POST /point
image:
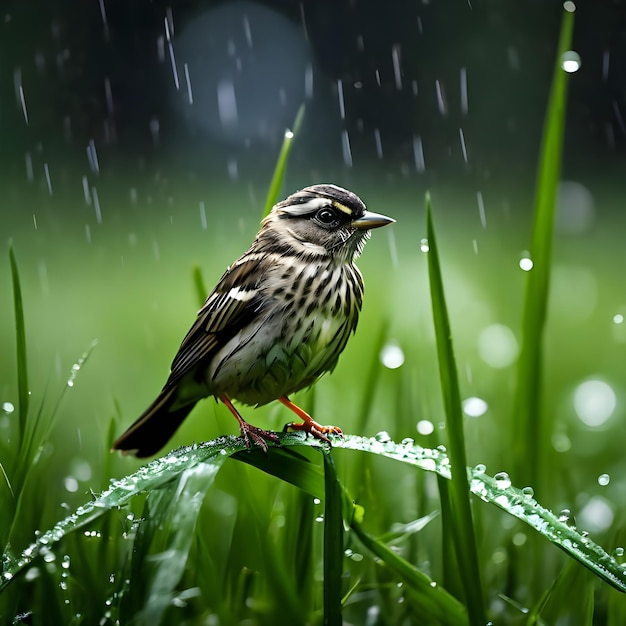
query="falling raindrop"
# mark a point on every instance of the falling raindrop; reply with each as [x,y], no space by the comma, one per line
[169,32]
[464,102]
[481,209]
[418,154]
[424,247]
[19,92]
[188,82]
[441,101]
[604,480]
[345,148]
[92,157]
[203,222]
[96,205]
[8,407]
[618,319]
[397,72]
[342,108]
[463,146]
[247,32]
[379,143]
[46,170]
[86,192]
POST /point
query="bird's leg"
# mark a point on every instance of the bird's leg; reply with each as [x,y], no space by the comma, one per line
[248,431]
[309,425]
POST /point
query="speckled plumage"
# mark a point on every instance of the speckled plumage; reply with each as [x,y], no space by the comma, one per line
[277,320]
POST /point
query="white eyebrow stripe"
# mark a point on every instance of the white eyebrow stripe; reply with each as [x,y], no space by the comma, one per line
[307,207]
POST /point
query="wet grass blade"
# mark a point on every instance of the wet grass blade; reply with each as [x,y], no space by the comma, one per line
[161,548]
[163,471]
[281,163]
[199,285]
[435,604]
[333,543]
[20,337]
[531,434]
[461,515]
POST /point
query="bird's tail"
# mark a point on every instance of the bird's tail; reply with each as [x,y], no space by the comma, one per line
[155,426]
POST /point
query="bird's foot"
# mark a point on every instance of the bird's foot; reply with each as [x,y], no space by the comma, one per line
[313,428]
[309,425]
[257,435]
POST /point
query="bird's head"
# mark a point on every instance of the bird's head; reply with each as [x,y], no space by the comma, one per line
[322,220]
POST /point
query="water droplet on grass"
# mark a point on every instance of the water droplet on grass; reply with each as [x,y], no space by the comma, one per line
[503,481]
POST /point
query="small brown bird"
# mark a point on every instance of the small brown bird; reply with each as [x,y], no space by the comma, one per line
[276,321]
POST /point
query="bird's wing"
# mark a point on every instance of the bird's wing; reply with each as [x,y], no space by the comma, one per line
[233,303]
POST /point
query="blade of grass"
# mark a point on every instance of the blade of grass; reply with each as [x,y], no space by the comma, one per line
[20,337]
[161,471]
[281,163]
[162,545]
[199,286]
[461,514]
[438,606]
[333,542]
[531,432]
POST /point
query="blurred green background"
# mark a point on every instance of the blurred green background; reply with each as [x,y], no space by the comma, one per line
[138,140]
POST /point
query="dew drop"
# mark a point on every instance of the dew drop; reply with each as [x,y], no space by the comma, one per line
[382,436]
[503,481]
[570,61]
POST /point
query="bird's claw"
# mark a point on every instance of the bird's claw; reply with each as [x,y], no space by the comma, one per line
[259,436]
[316,430]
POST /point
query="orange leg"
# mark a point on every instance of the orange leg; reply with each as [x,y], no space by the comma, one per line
[248,431]
[309,425]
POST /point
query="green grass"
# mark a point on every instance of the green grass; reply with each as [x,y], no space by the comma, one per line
[370,531]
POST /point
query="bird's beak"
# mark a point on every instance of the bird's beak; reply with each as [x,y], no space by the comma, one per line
[371,220]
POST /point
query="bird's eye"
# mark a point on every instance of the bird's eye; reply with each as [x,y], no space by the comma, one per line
[326,217]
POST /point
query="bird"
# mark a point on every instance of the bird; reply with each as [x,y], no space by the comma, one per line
[277,320]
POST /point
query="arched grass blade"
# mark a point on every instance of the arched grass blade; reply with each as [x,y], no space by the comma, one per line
[168,469]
